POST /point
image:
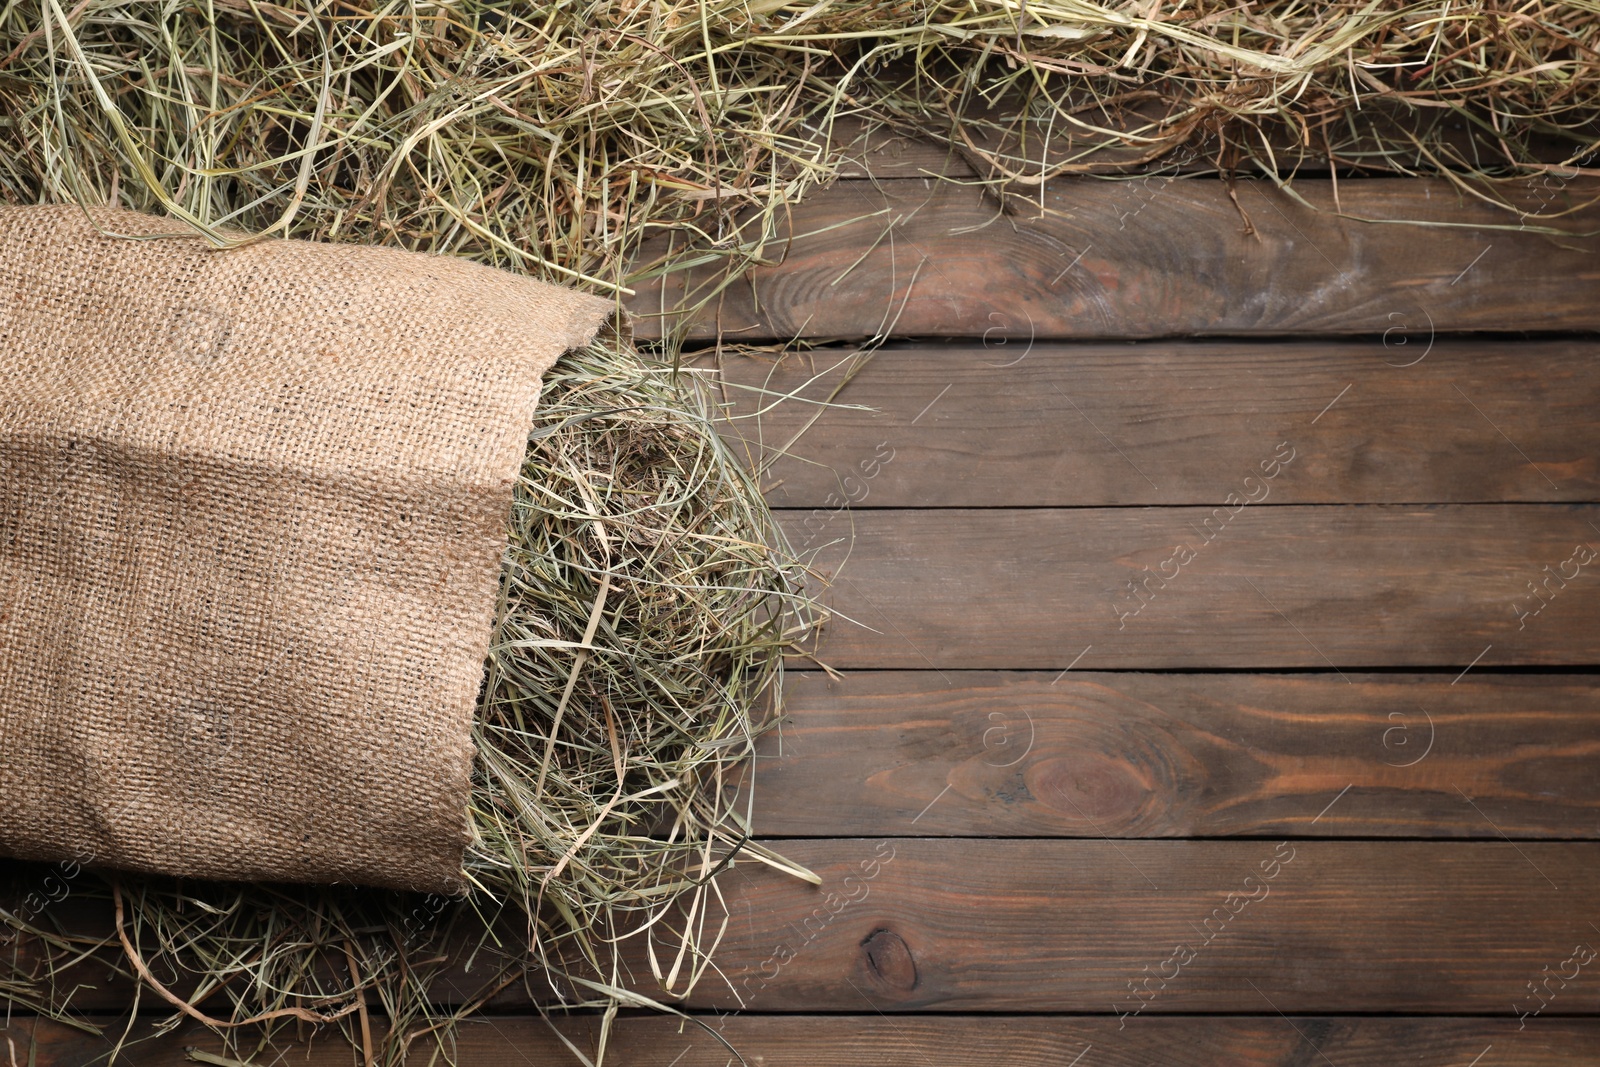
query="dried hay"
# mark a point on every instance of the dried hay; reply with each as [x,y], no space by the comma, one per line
[646,600]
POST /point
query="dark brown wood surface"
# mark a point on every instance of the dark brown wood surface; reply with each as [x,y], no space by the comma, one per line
[1077,926]
[1086,754]
[1261,1040]
[1004,422]
[1274,587]
[1153,257]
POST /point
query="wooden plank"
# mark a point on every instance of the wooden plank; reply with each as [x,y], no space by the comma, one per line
[1153,257]
[1235,587]
[1040,925]
[1007,754]
[1065,926]
[1006,423]
[1264,1040]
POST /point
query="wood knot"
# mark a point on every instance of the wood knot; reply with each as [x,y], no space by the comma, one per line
[1095,787]
[889,958]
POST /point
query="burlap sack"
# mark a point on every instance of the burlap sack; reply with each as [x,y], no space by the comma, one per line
[253,507]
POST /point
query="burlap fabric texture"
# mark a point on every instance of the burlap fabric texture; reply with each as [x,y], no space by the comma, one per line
[253,509]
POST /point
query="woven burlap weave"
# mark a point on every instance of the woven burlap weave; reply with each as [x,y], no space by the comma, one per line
[253,509]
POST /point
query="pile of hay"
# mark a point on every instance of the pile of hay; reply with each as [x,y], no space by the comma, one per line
[646,600]
[648,593]
[553,138]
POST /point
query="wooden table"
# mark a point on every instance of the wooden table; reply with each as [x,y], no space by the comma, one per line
[1216,640]
[1217,592]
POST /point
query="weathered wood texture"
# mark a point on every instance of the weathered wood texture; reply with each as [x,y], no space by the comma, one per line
[1070,926]
[1264,1040]
[1152,257]
[1006,423]
[1012,754]
[1259,587]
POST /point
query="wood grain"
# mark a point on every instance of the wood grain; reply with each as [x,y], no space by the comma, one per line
[1152,257]
[1262,587]
[1265,1040]
[1008,754]
[1070,926]
[1005,423]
